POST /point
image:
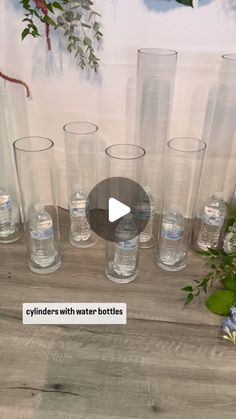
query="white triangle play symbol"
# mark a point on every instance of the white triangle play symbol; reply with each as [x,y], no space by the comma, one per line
[116,209]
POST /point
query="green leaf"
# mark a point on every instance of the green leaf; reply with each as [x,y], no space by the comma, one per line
[47,19]
[186,2]
[187,289]
[50,7]
[203,253]
[214,252]
[96,26]
[57,5]
[27,20]
[25,32]
[220,302]
[85,25]
[87,41]
[229,282]
[189,299]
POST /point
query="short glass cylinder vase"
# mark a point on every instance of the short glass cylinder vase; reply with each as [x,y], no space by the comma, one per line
[156,69]
[81,147]
[10,218]
[122,249]
[183,166]
[34,157]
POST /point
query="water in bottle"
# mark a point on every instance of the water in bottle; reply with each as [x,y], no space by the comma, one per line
[42,247]
[212,222]
[6,224]
[172,232]
[80,229]
[126,246]
[146,211]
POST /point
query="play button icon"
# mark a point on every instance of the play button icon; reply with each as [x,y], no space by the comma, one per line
[111,200]
[117,209]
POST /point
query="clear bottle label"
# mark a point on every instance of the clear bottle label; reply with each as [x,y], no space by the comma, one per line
[213,221]
[172,235]
[41,235]
[6,206]
[77,212]
[127,244]
[146,214]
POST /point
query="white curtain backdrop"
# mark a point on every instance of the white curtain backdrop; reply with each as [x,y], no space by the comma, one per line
[62,93]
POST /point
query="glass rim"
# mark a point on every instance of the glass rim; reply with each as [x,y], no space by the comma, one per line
[17,147]
[202,144]
[66,126]
[230,57]
[158,51]
[134,146]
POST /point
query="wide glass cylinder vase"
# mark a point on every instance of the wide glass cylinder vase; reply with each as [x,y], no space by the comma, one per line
[81,147]
[156,69]
[124,165]
[219,173]
[183,166]
[34,157]
[10,218]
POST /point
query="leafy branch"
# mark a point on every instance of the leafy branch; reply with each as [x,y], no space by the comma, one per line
[76,19]
[222,270]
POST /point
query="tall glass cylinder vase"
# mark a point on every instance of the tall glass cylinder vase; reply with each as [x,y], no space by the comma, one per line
[155,82]
[10,219]
[81,147]
[122,247]
[219,172]
[183,166]
[34,157]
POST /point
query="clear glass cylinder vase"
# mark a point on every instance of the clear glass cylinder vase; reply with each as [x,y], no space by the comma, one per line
[219,173]
[156,69]
[10,218]
[182,171]
[81,147]
[122,249]
[35,165]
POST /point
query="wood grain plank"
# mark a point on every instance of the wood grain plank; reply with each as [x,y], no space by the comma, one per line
[168,362]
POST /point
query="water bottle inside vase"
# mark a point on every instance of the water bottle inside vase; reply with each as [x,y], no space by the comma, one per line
[42,247]
[126,246]
[146,210]
[80,229]
[212,222]
[172,232]
[6,213]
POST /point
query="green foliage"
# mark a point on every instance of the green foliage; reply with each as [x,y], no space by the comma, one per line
[220,302]
[186,2]
[223,270]
[229,281]
[76,19]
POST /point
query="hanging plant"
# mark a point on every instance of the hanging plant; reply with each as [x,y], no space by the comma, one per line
[78,22]
[76,19]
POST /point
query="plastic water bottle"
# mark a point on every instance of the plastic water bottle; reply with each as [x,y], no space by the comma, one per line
[6,224]
[172,232]
[43,251]
[146,210]
[80,229]
[212,222]
[126,246]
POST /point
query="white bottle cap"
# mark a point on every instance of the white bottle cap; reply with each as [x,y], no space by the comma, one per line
[38,207]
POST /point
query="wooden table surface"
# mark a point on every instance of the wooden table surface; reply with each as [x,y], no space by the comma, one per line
[168,362]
